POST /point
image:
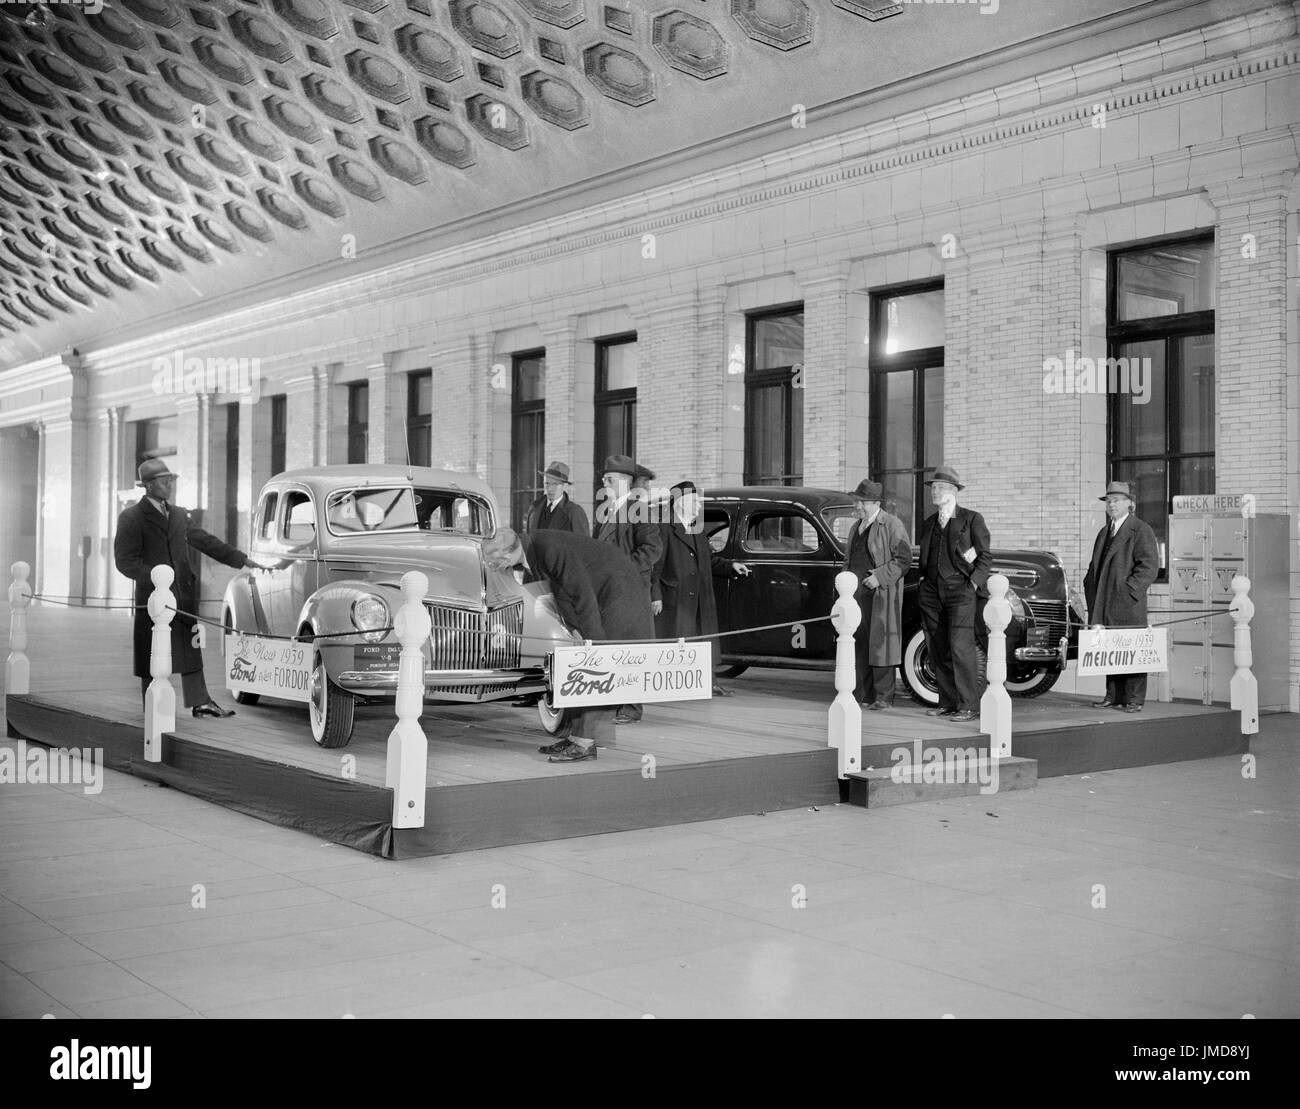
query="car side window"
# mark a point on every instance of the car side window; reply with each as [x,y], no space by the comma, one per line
[780,533]
[717,526]
[299,519]
[266,516]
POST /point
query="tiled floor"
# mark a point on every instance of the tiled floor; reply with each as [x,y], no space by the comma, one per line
[1163,891]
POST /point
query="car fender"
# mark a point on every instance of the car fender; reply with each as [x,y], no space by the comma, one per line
[238,602]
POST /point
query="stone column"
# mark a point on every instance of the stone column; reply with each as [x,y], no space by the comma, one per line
[668,408]
[300,419]
[823,379]
[322,413]
[1251,320]
[561,339]
[383,443]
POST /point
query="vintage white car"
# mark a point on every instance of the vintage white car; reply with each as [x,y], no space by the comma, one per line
[342,537]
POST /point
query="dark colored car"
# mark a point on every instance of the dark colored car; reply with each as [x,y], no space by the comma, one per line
[792,539]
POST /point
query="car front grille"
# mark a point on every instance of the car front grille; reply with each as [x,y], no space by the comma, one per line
[461,640]
[1052,620]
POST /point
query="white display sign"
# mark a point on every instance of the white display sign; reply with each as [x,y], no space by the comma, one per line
[274,667]
[632,674]
[1122,651]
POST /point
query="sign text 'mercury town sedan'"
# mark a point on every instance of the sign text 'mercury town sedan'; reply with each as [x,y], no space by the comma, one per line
[342,537]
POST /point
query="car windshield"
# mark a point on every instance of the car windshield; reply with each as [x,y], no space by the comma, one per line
[403,508]
[839,519]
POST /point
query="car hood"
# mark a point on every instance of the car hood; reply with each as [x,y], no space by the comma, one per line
[453,564]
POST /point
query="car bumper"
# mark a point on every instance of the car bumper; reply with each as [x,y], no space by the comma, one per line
[468,685]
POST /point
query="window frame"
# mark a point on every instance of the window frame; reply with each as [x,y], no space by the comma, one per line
[768,378]
[419,421]
[1171,330]
[358,429]
[604,398]
[916,363]
[533,413]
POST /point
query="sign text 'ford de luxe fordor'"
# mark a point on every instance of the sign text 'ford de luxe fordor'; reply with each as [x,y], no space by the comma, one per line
[632,674]
[1123,651]
[274,667]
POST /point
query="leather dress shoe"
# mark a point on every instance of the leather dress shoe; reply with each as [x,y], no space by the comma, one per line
[1129,708]
[211,708]
[574,753]
[556,747]
[1104,705]
[623,718]
[878,705]
[963,716]
[940,711]
[718,691]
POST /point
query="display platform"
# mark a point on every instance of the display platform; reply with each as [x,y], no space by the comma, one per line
[762,749]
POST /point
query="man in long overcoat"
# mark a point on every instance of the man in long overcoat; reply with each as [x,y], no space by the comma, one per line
[154,532]
[623,518]
[1125,561]
[600,593]
[686,605]
[555,509]
[880,554]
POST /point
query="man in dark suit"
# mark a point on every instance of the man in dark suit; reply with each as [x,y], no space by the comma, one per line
[153,532]
[554,509]
[623,519]
[684,573]
[1125,562]
[599,592]
[955,565]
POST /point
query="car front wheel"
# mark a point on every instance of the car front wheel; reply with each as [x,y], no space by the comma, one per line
[918,673]
[554,721]
[1030,681]
[331,708]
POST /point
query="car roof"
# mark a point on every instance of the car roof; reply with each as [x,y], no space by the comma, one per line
[326,478]
[808,496]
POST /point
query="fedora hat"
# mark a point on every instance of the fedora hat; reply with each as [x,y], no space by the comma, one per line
[152,468]
[642,471]
[869,490]
[945,473]
[557,471]
[620,464]
[1117,487]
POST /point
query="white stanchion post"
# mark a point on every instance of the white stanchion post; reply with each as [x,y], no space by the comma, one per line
[844,720]
[18,670]
[1243,689]
[160,697]
[995,705]
[408,749]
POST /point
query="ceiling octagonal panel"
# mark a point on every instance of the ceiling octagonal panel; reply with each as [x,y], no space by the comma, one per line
[188,131]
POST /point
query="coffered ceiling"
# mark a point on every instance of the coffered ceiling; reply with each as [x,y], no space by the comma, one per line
[165,157]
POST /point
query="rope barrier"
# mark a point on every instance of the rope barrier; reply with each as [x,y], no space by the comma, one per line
[78,604]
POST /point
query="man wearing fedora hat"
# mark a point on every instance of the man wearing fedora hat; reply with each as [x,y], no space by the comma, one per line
[879,553]
[153,532]
[623,518]
[955,565]
[1125,562]
[554,509]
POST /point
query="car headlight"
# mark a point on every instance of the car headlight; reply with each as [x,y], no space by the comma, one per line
[370,616]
